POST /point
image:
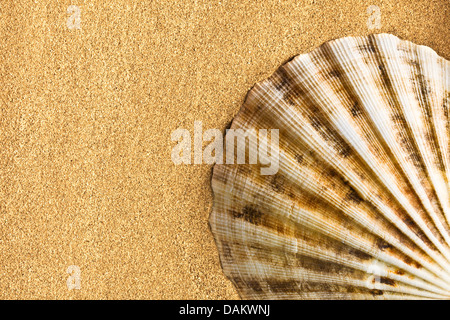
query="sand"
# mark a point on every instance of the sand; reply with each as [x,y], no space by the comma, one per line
[86,119]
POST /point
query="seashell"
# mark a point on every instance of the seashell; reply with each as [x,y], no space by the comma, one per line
[360,205]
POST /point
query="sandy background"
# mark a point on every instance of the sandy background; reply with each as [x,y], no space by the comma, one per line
[86,116]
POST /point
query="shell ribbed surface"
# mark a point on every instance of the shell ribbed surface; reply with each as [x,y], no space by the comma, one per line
[360,205]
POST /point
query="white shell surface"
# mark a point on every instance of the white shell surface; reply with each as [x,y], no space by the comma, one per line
[360,205]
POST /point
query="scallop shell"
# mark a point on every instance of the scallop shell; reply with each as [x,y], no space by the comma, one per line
[359,208]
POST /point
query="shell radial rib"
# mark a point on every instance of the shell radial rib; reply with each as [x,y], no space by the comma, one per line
[360,205]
